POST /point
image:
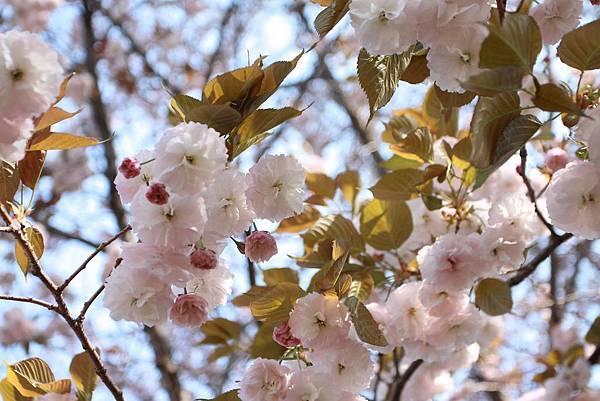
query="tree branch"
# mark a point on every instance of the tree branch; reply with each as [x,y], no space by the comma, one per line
[30,300]
[61,307]
[98,250]
[531,192]
[528,268]
[401,382]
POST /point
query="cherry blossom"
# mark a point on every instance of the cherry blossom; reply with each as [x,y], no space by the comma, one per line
[557,17]
[264,380]
[189,310]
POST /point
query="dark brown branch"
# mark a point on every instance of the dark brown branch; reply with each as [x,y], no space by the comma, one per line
[528,268]
[501,9]
[61,307]
[169,371]
[595,357]
[98,250]
[30,300]
[401,382]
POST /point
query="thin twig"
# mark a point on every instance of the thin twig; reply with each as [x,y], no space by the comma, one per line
[527,269]
[98,250]
[30,300]
[531,192]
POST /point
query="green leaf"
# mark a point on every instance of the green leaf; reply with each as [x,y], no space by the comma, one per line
[513,137]
[9,181]
[385,225]
[550,97]
[273,277]
[398,185]
[10,392]
[330,16]
[83,373]
[33,377]
[593,334]
[61,141]
[276,304]
[36,240]
[366,327]
[491,116]
[335,228]
[516,43]
[581,48]
[251,131]
[379,76]
[495,81]
[493,296]
[440,119]
[228,396]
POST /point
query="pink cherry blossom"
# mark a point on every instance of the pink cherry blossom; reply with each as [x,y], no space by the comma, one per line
[264,380]
[157,194]
[283,336]
[189,310]
[130,168]
[260,246]
[204,259]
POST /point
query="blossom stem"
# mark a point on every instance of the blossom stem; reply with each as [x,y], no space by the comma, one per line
[30,300]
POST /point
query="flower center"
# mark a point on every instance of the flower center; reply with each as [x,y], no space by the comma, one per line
[340,368]
[17,75]
[190,159]
[587,198]
[270,386]
[320,320]
[383,17]
[465,57]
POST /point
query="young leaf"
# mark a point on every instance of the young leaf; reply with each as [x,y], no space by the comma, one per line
[493,296]
[581,48]
[30,168]
[220,117]
[379,76]
[84,376]
[516,43]
[10,392]
[263,345]
[299,222]
[33,377]
[495,81]
[490,117]
[276,304]
[36,240]
[550,97]
[417,70]
[228,396]
[61,141]
[330,16]
[9,181]
[335,228]
[398,185]
[349,183]
[273,277]
[321,184]
[52,116]
[385,225]
[593,334]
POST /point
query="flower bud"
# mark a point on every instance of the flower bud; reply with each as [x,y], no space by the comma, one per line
[260,246]
[556,158]
[189,310]
[204,259]
[157,194]
[282,335]
[130,168]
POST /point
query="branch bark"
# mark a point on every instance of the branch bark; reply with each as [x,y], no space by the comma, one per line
[401,383]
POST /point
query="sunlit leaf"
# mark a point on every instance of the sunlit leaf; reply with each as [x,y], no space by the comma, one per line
[83,373]
[228,396]
[62,141]
[330,16]
[276,304]
[337,228]
[299,222]
[273,277]
[593,334]
[321,184]
[398,185]
[366,327]
[53,116]
[30,168]
[385,225]
[33,377]
[349,183]
[36,240]
[9,181]
[10,392]
[495,81]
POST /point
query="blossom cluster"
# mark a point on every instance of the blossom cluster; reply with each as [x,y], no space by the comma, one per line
[453,30]
[186,201]
[573,195]
[338,366]
[30,78]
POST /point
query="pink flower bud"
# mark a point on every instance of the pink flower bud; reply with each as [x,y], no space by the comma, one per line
[556,158]
[189,310]
[283,336]
[204,259]
[157,194]
[130,168]
[260,246]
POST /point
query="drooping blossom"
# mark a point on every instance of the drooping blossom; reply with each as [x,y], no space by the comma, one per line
[189,310]
[204,259]
[282,335]
[264,380]
[260,246]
